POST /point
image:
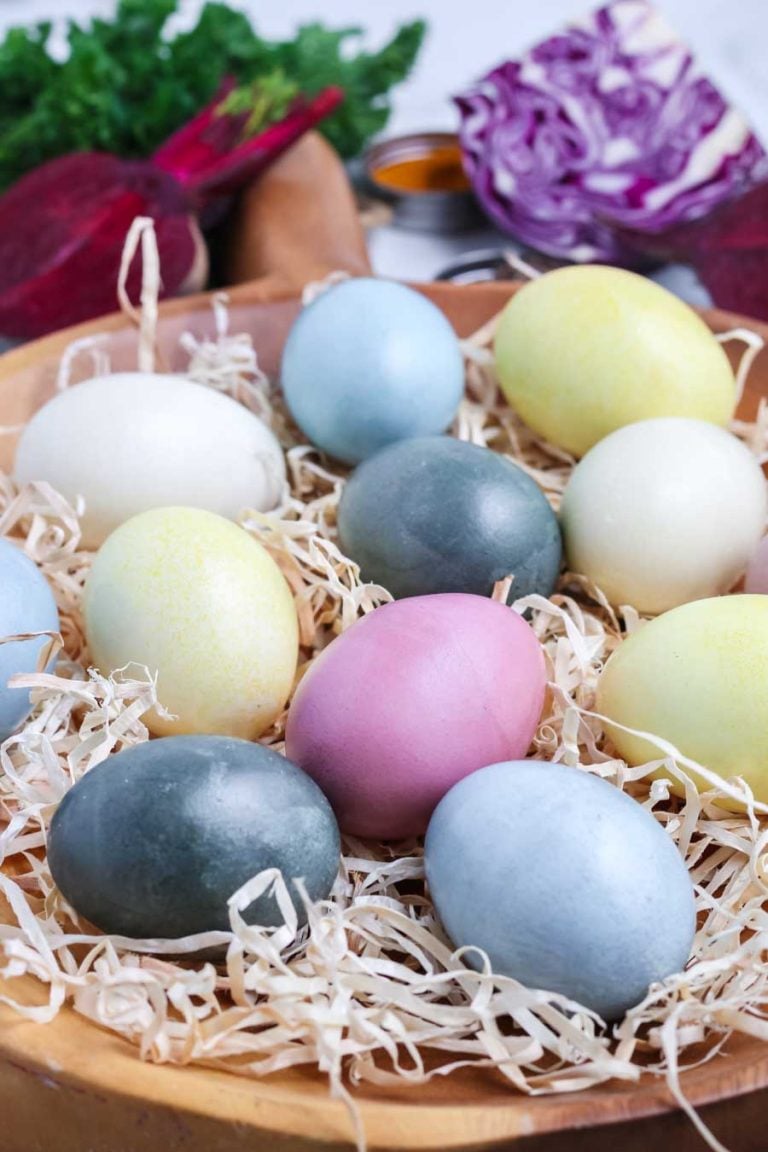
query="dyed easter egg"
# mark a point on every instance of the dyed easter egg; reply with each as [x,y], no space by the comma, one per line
[584,350]
[566,883]
[138,440]
[756,576]
[154,841]
[664,511]
[196,599]
[436,514]
[370,362]
[410,699]
[26,605]
[698,678]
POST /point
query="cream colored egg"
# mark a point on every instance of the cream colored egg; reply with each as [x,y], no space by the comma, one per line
[664,511]
[134,440]
[698,678]
[584,350]
[201,603]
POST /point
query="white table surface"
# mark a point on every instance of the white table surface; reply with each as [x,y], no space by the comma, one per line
[466,38]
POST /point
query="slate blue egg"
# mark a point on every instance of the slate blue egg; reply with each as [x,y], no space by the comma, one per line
[436,514]
[154,841]
[26,605]
[370,362]
[565,882]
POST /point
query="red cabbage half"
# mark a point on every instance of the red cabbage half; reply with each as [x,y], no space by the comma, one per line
[610,121]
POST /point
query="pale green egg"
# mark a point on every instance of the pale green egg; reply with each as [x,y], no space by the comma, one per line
[697,677]
[584,350]
[202,604]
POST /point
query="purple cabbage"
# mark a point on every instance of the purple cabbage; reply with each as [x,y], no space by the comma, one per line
[607,125]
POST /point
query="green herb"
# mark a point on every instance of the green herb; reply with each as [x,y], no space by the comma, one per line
[125,86]
[264,101]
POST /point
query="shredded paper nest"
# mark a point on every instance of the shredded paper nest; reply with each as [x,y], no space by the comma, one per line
[370,991]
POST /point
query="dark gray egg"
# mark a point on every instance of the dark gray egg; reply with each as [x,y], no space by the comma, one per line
[434,514]
[154,841]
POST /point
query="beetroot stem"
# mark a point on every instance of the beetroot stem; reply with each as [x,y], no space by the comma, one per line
[209,157]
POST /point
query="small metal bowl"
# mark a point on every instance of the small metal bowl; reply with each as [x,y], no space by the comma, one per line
[443,212]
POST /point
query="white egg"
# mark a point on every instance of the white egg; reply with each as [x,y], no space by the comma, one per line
[132,441]
[663,512]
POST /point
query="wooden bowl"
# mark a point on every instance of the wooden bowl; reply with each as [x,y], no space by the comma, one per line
[70,1086]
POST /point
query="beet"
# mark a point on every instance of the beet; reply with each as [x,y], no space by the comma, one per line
[728,248]
[63,226]
[60,265]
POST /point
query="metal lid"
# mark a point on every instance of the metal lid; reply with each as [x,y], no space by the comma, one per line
[486,264]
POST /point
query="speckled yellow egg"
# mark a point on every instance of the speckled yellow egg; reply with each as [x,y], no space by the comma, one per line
[584,350]
[697,677]
[201,603]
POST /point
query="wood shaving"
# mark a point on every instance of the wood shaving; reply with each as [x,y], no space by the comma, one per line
[370,991]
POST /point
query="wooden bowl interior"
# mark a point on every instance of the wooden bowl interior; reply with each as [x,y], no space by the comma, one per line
[213,1110]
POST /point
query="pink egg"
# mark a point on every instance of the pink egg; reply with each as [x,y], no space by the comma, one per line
[756,578]
[411,699]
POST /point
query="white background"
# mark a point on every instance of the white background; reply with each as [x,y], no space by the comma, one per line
[466,38]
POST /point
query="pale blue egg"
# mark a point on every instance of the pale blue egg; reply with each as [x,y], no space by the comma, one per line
[568,884]
[26,605]
[370,362]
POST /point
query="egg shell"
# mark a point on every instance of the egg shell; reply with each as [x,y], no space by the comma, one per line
[565,882]
[664,511]
[370,362]
[584,350]
[153,842]
[410,699]
[756,576]
[196,599]
[435,514]
[133,441]
[698,678]
[26,605]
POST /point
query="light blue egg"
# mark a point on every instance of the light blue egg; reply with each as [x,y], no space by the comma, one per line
[26,605]
[568,884]
[370,362]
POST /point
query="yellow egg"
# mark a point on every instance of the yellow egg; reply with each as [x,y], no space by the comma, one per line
[582,351]
[697,677]
[199,601]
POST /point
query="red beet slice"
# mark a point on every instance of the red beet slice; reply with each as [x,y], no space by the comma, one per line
[59,266]
[63,226]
